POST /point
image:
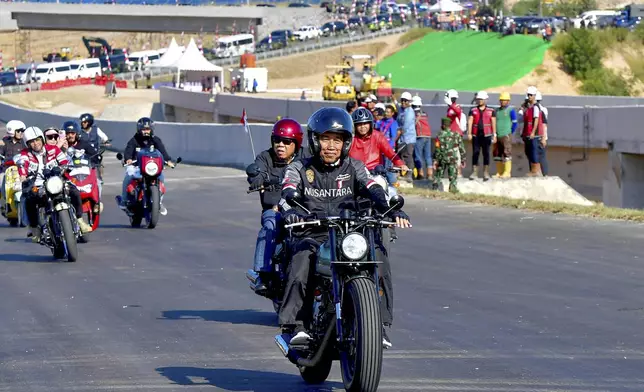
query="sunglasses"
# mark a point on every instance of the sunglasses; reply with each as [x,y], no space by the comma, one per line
[52,137]
[19,130]
[278,140]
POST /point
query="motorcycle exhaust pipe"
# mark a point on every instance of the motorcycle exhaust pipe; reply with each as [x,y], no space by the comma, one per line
[318,355]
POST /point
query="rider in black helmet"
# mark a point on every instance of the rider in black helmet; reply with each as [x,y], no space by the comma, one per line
[94,136]
[328,182]
[144,137]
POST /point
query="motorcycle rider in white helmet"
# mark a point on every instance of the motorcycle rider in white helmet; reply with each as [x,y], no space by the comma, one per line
[12,145]
[36,157]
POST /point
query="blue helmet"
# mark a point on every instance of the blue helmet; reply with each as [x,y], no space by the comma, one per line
[71,126]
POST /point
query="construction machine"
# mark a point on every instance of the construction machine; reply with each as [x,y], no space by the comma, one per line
[364,77]
[337,85]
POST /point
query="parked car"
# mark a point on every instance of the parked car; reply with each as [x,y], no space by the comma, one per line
[335,27]
[307,32]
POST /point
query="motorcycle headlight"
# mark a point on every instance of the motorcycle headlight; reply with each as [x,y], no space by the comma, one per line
[354,246]
[151,168]
[54,185]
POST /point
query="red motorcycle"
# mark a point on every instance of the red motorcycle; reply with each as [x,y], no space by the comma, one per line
[82,174]
[145,189]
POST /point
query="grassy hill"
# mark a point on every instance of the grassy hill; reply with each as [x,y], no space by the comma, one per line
[467,61]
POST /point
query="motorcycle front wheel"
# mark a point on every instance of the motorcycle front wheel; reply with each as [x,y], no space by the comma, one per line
[155,200]
[361,359]
[69,237]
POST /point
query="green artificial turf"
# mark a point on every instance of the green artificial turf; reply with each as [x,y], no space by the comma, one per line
[465,61]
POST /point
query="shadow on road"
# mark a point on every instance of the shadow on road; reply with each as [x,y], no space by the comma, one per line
[242,380]
[233,316]
[26,258]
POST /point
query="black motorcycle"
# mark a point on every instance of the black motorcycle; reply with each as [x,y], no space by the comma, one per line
[275,280]
[57,217]
[346,322]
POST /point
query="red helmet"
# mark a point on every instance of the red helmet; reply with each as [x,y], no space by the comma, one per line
[289,129]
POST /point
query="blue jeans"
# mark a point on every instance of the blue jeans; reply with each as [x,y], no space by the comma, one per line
[423,152]
[126,182]
[266,238]
[541,152]
[391,177]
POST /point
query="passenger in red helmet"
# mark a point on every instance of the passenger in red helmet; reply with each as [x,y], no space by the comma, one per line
[268,172]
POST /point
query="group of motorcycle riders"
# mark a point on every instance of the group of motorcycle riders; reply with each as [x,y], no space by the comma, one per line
[332,175]
[33,151]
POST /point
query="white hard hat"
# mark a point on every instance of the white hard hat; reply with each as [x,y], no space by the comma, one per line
[538,96]
[451,94]
[531,91]
[13,125]
[380,105]
[482,95]
[373,98]
[406,95]
[51,131]
[32,133]
[367,100]
[416,101]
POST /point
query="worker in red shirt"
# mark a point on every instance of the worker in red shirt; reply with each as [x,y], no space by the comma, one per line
[369,146]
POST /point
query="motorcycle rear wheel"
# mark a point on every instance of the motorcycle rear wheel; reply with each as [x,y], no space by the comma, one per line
[361,361]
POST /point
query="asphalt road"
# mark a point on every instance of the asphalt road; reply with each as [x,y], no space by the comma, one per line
[486,300]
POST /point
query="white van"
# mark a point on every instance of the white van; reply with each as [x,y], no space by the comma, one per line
[235,45]
[136,60]
[53,72]
[590,17]
[86,68]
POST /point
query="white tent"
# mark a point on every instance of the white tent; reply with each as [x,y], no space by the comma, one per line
[446,6]
[171,55]
[192,60]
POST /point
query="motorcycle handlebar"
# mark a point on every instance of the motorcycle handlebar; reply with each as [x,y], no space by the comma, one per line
[332,219]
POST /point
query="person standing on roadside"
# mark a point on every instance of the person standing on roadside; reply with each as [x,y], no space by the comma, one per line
[448,155]
[481,130]
[407,132]
[532,130]
[506,125]
[423,148]
[541,155]
[457,117]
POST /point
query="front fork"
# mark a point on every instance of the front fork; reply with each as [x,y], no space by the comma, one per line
[337,285]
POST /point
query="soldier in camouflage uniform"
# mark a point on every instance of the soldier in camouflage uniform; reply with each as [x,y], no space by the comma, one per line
[446,155]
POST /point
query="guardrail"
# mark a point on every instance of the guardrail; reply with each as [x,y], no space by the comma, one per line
[292,49]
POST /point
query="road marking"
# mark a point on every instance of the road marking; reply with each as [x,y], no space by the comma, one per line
[185,179]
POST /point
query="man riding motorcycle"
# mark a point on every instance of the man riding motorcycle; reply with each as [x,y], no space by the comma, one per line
[94,135]
[286,142]
[72,131]
[37,156]
[12,144]
[143,138]
[369,146]
[328,182]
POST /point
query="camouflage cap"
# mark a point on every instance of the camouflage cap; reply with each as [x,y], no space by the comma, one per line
[445,121]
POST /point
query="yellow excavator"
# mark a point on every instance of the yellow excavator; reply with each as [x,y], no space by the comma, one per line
[364,77]
[337,84]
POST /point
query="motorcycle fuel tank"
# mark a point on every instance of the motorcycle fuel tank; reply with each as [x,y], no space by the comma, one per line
[323,263]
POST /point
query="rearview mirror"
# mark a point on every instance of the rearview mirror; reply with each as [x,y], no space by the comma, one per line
[252,170]
[179,160]
[396,202]
[292,197]
[119,156]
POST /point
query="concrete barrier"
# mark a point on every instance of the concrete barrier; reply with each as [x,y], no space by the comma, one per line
[206,144]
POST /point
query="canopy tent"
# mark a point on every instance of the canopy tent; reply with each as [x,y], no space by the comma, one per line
[171,56]
[446,6]
[194,63]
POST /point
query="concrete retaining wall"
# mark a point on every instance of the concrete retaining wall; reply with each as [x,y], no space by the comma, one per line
[209,144]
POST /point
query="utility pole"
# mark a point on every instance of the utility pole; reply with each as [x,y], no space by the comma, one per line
[540,7]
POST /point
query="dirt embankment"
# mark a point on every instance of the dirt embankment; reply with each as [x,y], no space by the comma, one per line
[16,45]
